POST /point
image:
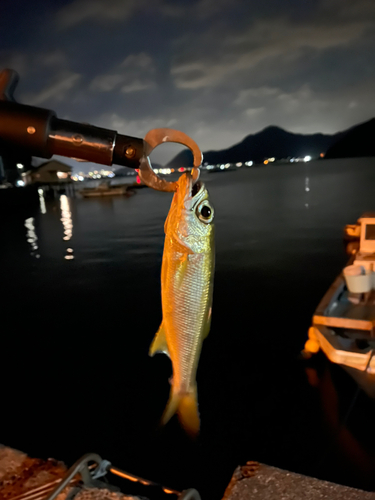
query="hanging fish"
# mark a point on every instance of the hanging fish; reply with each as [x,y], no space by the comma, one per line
[186,289]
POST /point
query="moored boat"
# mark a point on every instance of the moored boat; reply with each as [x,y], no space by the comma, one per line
[343,323]
[106,189]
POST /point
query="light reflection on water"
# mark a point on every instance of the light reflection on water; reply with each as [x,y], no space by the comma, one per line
[307,190]
[32,237]
[42,203]
[66,219]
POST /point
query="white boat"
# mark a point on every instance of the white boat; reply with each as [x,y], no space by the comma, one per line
[106,189]
[343,323]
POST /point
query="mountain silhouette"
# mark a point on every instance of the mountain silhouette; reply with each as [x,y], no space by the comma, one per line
[271,142]
[357,141]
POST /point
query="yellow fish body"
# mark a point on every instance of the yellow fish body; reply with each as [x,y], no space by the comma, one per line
[186,289]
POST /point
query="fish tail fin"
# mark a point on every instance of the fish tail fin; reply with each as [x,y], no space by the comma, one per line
[186,406]
[188,413]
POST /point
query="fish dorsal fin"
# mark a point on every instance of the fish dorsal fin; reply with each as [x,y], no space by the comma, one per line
[159,344]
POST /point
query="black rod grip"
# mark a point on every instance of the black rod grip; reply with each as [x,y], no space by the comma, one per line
[39,132]
[26,126]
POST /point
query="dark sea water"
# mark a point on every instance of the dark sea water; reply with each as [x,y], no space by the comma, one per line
[75,332]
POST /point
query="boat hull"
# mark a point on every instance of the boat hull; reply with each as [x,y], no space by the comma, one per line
[343,329]
[95,192]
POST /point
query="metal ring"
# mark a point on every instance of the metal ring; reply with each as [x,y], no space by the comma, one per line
[158,136]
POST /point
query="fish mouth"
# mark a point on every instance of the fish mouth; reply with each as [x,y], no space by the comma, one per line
[196,188]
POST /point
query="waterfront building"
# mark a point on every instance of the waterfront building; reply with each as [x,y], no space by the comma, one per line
[53,176]
[52,172]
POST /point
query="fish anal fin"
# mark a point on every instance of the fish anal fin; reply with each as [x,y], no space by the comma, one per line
[159,344]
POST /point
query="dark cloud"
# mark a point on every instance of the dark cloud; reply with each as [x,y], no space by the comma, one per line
[216,69]
[135,73]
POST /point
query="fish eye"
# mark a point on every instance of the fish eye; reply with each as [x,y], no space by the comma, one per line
[205,212]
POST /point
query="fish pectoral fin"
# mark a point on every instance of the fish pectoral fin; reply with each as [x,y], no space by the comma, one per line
[159,344]
[182,267]
[185,404]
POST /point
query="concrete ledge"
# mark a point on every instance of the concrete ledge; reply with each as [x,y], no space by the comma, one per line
[261,482]
[10,461]
[21,475]
[101,494]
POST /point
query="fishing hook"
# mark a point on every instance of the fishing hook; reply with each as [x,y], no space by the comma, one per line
[158,136]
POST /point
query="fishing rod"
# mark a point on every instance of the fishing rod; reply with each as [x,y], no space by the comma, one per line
[41,133]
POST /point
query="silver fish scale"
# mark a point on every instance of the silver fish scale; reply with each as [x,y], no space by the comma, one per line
[189,298]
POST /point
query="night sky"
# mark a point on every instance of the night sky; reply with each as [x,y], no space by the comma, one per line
[215,69]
